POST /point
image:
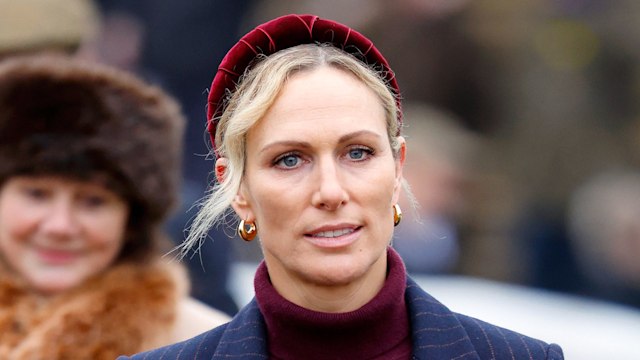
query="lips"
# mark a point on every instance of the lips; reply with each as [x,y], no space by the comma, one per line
[54,256]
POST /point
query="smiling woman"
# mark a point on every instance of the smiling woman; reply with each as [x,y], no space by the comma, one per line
[58,232]
[88,173]
[305,120]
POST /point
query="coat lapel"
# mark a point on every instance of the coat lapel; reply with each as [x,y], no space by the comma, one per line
[437,333]
[245,336]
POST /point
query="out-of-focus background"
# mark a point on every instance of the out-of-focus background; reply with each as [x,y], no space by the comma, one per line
[523,129]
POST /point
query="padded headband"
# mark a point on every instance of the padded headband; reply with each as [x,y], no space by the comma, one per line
[282,33]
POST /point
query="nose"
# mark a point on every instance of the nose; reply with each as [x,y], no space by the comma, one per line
[330,193]
[60,222]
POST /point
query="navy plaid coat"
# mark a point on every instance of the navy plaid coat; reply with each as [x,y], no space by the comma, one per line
[438,333]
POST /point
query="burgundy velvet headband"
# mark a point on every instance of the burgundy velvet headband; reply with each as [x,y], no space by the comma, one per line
[282,33]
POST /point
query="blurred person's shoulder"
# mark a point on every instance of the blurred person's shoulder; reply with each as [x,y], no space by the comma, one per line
[246,328]
[192,317]
[195,317]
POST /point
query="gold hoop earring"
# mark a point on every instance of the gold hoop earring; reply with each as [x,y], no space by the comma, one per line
[247,234]
[397,215]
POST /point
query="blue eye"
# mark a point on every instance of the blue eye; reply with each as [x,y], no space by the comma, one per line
[288,161]
[359,153]
[356,154]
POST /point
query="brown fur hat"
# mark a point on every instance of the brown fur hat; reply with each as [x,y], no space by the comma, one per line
[65,117]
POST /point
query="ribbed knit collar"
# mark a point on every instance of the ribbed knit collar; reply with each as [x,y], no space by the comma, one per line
[378,330]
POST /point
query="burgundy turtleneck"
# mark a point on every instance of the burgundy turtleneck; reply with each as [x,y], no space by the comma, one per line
[378,330]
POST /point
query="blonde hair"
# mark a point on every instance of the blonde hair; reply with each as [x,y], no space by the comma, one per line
[255,94]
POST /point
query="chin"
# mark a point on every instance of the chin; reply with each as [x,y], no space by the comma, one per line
[336,274]
[53,286]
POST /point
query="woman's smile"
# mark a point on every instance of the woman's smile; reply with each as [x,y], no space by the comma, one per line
[334,237]
[58,232]
[53,256]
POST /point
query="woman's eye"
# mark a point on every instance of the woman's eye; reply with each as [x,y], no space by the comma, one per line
[359,153]
[288,161]
[93,201]
[34,192]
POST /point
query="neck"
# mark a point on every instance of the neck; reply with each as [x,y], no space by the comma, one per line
[379,329]
[330,297]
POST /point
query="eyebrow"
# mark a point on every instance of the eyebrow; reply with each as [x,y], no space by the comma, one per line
[304,144]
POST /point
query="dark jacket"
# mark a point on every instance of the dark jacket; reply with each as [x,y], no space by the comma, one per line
[438,333]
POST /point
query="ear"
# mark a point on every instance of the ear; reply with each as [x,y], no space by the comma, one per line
[240,203]
[242,206]
[402,155]
[221,169]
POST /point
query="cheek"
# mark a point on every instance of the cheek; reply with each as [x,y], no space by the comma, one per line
[117,239]
[17,222]
[107,230]
[17,227]
[378,202]
[105,244]
[378,187]
[275,209]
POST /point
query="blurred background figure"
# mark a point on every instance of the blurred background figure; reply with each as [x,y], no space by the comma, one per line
[60,26]
[89,171]
[136,36]
[604,224]
[440,172]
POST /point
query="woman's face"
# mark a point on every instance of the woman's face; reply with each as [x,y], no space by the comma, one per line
[320,182]
[57,232]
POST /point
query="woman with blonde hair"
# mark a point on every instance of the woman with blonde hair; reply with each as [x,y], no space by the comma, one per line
[306,124]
